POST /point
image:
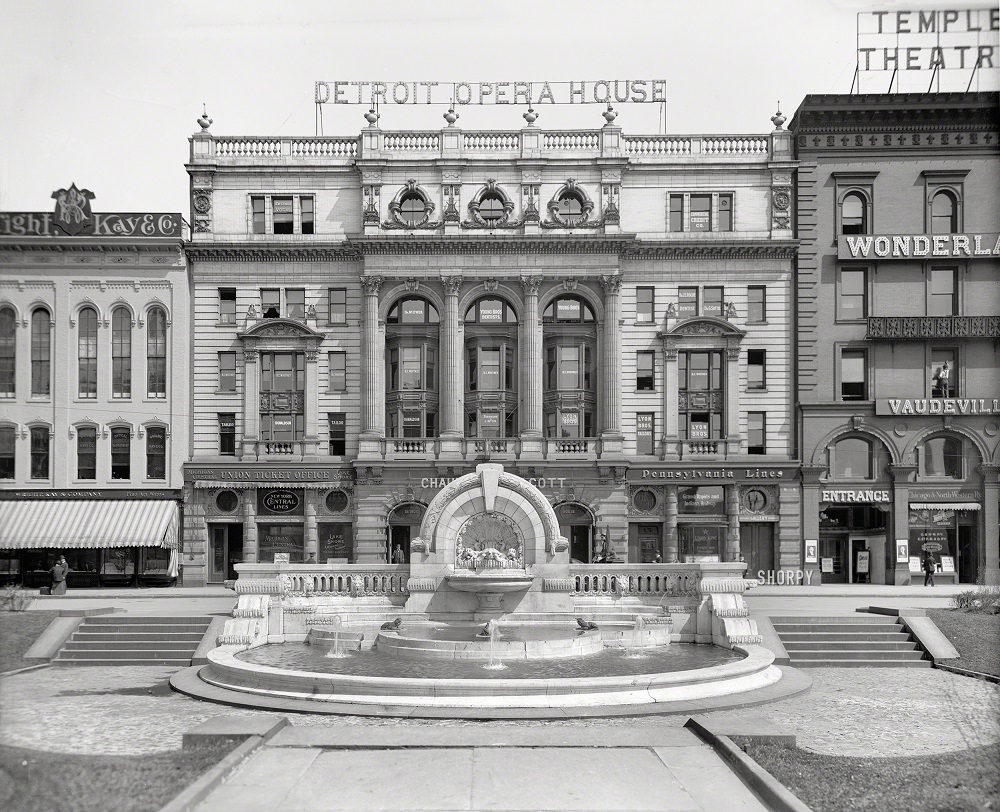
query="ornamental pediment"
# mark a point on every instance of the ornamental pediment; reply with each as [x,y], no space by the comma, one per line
[279,328]
[704,326]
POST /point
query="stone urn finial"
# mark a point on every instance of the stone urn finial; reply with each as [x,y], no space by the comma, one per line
[204,121]
[777,119]
[451,116]
[371,117]
[531,116]
[610,115]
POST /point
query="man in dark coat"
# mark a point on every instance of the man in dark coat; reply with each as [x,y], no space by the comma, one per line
[59,572]
[930,565]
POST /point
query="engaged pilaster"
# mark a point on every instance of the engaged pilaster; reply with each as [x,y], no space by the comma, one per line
[611,396]
[531,339]
[373,403]
[452,397]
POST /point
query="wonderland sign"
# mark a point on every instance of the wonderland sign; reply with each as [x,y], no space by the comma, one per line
[602,91]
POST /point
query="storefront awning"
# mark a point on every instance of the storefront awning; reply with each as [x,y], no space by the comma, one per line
[945,505]
[88,523]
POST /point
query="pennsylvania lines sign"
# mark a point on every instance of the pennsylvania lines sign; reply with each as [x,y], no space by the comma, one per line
[919,246]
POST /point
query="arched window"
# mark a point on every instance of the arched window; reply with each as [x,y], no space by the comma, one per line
[8,352]
[87,353]
[944,213]
[156,353]
[852,459]
[121,353]
[8,436]
[40,452]
[411,351]
[156,452]
[121,453]
[571,207]
[41,351]
[490,368]
[568,310]
[854,214]
[942,456]
[569,374]
[86,452]
[490,311]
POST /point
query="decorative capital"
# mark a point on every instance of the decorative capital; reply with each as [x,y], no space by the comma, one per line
[530,285]
[452,285]
[371,284]
[611,284]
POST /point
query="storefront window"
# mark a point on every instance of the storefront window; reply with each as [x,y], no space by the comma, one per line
[701,542]
[281,538]
[336,540]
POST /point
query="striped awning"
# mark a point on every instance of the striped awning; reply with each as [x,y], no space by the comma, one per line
[88,523]
[945,505]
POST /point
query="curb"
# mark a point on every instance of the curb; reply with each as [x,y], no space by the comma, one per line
[206,783]
[775,795]
[26,668]
[965,672]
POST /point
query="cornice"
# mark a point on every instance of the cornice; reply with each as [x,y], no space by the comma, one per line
[491,244]
[253,252]
[664,249]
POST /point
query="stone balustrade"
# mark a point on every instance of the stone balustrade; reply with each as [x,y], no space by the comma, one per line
[636,579]
[349,580]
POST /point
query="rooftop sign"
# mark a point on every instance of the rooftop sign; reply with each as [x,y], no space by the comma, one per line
[73,217]
[602,91]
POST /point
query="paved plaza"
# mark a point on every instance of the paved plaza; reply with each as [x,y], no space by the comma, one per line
[644,762]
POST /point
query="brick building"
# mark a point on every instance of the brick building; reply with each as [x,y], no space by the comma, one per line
[899,333]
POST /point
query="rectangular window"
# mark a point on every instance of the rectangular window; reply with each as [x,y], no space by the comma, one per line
[756,433]
[259,223]
[725,213]
[687,303]
[713,302]
[676,213]
[569,368]
[121,454]
[41,349]
[412,425]
[944,373]
[227,305]
[39,453]
[270,303]
[308,216]
[156,453]
[756,369]
[86,453]
[337,308]
[550,368]
[853,375]
[282,372]
[295,302]
[852,298]
[644,440]
[227,433]
[701,213]
[121,354]
[489,369]
[338,371]
[283,213]
[227,371]
[756,304]
[569,424]
[6,452]
[338,433]
[644,298]
[942,298]
[644,378]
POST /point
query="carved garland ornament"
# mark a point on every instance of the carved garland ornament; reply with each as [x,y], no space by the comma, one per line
[411,189]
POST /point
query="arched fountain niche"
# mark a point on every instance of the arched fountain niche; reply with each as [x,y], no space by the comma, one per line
[488,544]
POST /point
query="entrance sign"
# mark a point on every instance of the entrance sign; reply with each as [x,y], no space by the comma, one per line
[862,568]
[601,91]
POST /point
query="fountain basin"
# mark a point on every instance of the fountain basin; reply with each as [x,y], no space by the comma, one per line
[509,697]
[327,638]
[491,582]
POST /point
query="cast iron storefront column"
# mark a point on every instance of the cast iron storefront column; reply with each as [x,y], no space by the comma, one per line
[990,546]
[900,522]
[670,528]
[611,395]
[451,390]
[250,551]
[373,401]
[531,416]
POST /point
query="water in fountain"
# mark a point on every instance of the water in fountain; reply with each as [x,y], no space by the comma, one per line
[493,628]
[634,647]
[336,623]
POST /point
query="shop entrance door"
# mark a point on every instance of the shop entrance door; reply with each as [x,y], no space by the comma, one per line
[399,536]
[833,559]
[968,564]
[757,548]
[226,550]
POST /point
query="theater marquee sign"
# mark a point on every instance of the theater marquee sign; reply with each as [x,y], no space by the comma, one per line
[919,246]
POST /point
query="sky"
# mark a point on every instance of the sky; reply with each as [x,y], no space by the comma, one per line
[105,93]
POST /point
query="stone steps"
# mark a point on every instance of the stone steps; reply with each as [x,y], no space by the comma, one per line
[134,640]
[848,641]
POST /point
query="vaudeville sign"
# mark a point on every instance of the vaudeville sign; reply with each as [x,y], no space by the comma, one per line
[602,91]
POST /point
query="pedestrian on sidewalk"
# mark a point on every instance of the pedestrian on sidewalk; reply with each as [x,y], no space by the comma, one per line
[930,566]
[58,573]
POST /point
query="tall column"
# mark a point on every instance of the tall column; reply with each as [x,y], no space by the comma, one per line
[733,520]
[670,546]
[250,547]
[373,390]
[733,393]
[531,353]
[989,547]
[611,396]
[451,392]
[311,435]
[251,404]
[670,412]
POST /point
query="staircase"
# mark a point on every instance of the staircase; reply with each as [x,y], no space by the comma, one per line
[848,641]
[133,640]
